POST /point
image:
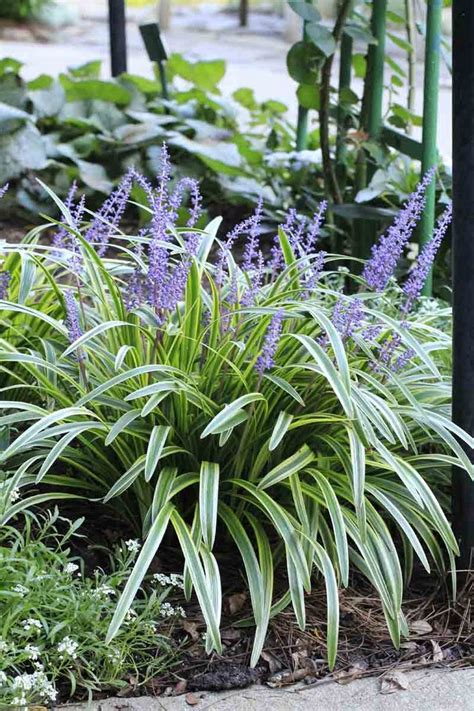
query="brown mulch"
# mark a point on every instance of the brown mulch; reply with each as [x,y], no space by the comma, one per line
[440,636]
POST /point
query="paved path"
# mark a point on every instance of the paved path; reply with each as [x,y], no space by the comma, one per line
[255,57]
[435,690]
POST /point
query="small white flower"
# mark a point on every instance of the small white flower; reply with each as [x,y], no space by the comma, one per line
[21,590]
[133,545]
[30,624]
[14,494]
[4,646]
[103,591]
[19,701]
[71,568]
[175,580]
[131,615]
[115,656]
[32,651]
[167,610]
[68,648]
[3,677]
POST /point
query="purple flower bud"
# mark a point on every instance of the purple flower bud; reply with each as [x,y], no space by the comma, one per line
[387,251]
[4,284]
[347,316]
[265,361]
[414,284]
[72,320]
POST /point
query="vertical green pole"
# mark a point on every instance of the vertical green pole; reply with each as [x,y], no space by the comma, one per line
[302,123]
[430,121]
[371,119]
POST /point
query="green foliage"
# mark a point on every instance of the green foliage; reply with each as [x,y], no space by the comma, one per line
[21,9]
[55,617]
[311,468]
[82,127]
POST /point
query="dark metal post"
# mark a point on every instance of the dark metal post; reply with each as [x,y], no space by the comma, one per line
[244,13]
[118,42]
[430,121]
[463,263]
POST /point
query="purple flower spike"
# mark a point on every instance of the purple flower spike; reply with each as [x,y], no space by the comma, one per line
[59,239]
[251,251]
[417,277]
[4,283]
[72,320]
[347,316]
[3,190]
[109,215]
[277,261]
[176,200]
[388,250]
[315,228]
[265,361]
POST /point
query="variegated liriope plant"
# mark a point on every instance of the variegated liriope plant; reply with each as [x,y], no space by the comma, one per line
[290,412]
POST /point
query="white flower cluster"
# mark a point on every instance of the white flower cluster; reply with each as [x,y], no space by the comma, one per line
[130,615]
[21,590]
[14,494]
[103,591]
[4,646]
[71,568]
[68,648]
[115,656]
[32,651]
[133,545]
[36,682]
[31,624]
[167,610]
[175,580]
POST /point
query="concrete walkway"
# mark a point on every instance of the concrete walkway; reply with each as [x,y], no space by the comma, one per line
[435,690]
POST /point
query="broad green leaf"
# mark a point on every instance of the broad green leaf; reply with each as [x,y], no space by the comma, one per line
[146,555]
[157,441]
[296,463]
[208,501]
[284,420]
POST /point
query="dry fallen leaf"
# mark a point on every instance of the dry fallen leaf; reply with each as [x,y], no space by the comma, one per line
[420,627]
[191,699]
[437,651]
[231,634]
[180,687]
[274,664]
[394,681]
[355,671]
[236,602]
[287,677]
[192,629]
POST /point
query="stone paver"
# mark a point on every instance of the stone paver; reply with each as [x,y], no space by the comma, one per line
[434,690]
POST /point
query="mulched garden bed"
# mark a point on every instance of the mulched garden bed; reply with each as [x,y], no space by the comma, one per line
[441,635]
